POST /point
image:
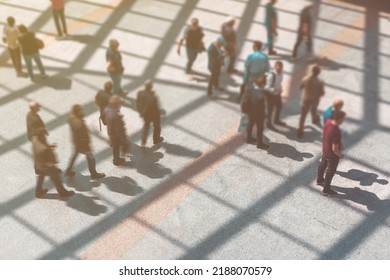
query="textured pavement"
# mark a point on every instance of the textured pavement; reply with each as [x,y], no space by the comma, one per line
[204,193]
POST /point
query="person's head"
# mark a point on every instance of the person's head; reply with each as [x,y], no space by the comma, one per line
[231,21]
[108,86]
[115,102]
[257,45]
[194,23]
[261,81]
[23,29]
[34,106]
[220,41]
[338,117]
[273,2]
[78,111]
[10,21]
[338,104]
[149,85]
[114,44]
[279,66]
[315,70]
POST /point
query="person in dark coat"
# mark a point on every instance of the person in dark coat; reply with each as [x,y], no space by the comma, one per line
[45,165]
[215,63]
[304,30]
[149,109]
[30,51]
[33,120]
[81,141]
[229,35]
[102,99]
[116,129]
[256,112]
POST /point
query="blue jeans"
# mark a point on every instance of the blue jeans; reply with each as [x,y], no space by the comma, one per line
[28,59]
[116,80]
[191,55]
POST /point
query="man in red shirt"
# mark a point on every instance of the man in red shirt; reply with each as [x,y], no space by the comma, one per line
[331,152]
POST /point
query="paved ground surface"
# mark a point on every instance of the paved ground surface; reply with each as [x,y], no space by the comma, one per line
[203,194]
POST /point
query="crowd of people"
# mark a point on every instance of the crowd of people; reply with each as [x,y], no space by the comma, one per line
[260,94]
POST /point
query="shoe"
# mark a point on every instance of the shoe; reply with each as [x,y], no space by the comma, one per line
[329,192]
[40,193]
[98,176]
[262,146]
[159,141]
[279,122]
[300,134]
[66,194]
[251,140]
[70,173]
[272,53]
[320,183]
[120,161]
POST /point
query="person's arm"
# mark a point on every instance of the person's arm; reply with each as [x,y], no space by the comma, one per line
[184,36]
[336,150]
[4,37]
[269,87]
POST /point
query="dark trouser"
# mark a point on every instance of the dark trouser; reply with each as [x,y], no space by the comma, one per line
[257,119]
[191,55]
[306,106]
[330,165]
[156,131]
[90,159]
[16,58]
[60,15]
[54,175]
[116,147]
[270,38]
[274,101]
[299,41]
[232,61]
[214,78]
[37,58]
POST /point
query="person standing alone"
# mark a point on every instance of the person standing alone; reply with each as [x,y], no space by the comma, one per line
[271,23]
[10,37]
[331,152]
[215,62]
[114,66]
[58,10]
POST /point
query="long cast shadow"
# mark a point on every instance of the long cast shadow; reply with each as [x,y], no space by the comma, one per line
[364,178]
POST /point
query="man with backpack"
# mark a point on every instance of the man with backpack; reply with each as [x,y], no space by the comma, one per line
[274,99]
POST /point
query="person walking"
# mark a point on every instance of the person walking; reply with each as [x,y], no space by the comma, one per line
[256,65]
[10,37]
[257,94]
[331,152]
[58,11]
[149,109]
[81,141]
[102,99]
[116,129]
[271,23]
[33,120]
[229,35]
[313,90]
[30,51]
[274,99]
[114,66]
[193,36]
[45,165]
[304,31]
[337,106]
[215,62]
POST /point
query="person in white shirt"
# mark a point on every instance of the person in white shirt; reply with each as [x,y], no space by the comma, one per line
[274,99]
[10,37]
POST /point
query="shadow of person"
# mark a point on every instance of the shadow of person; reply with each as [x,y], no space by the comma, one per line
[81,183]
[369,199]
[84,39]
[364,178]
[176,149]
[281,150]
[310,134]
[144,160]
[56,82]
[86,204]
[124,185]
[327,64]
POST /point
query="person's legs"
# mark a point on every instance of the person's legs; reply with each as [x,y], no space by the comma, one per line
[314,116]
[270,41]
[331,170]
[91,163]
[28,61]
[69,170]
[39,187]
[56,179]
[278,106]
[191,56]
[15,58]
[321,170]
[232,61]
[116,81]
[38,61]
[56,16]
[270,109]
[260,126]
[145,132]
[116,151]
[62,17]
[156,132]
[297,43]
[217,74]
[304,110]
[211,83]
[249,129]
